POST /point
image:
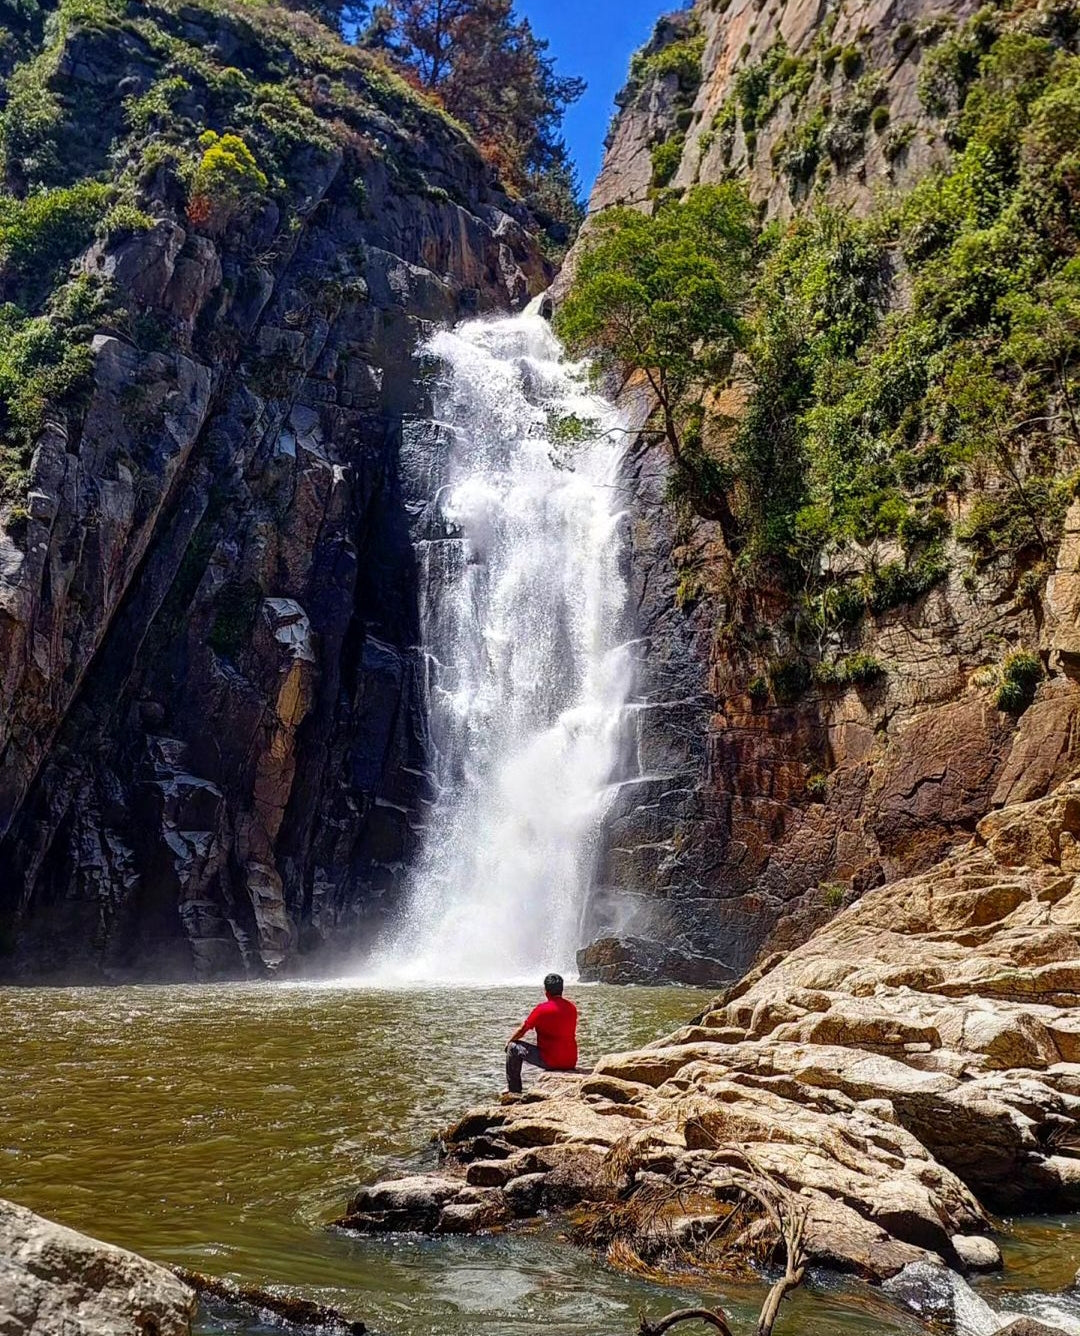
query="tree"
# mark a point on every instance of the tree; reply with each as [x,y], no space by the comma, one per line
[347,17]
[492,72]
[661,294]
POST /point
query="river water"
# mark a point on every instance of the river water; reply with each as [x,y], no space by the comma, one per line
[221,1127]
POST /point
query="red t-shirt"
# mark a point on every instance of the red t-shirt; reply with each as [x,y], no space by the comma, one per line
[555,1023]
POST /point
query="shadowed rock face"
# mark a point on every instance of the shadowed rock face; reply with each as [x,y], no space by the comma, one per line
[211,741]
[916,1061]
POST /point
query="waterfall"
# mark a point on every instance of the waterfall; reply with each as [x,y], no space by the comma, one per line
[522,620]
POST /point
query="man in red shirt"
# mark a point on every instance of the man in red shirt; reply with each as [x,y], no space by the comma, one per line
[555,1050]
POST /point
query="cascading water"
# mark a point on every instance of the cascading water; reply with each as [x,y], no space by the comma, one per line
[527,678]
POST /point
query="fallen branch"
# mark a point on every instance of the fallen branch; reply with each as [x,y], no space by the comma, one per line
[712,1317]
[298,1314]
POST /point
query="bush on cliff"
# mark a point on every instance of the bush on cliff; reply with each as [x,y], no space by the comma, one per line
[225,180]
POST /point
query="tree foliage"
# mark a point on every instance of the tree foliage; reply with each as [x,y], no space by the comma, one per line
[897,371]
[661,293]
[491,71]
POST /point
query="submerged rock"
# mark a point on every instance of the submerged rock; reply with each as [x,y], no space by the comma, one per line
[55,1280]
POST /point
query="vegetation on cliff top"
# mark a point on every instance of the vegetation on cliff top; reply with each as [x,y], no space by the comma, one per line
[908,380]
[482,62]
[225,115]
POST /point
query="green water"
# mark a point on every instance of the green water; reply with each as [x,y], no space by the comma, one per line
[222,1127]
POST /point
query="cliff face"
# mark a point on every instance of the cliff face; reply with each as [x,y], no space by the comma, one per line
[211,746]
[755,814]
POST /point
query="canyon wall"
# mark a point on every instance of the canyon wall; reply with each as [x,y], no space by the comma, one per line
[212,751]
[749,816]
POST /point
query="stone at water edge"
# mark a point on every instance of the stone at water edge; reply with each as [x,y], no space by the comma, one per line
[1030,1326]
[55,1280]
[977,1253]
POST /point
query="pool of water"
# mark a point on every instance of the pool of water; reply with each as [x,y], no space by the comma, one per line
[221,1127]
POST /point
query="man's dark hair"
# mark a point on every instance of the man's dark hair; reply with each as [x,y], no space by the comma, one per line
[553,985]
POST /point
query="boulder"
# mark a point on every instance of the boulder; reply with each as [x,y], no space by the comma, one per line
[55,1280]
[642,961]
[976,1252]
[401,1205]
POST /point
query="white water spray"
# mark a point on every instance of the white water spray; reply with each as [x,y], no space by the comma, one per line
[521,625]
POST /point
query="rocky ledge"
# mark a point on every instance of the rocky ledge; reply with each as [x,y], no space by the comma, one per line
[913,1066]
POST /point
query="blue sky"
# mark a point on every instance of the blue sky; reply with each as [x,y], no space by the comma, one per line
[594,39]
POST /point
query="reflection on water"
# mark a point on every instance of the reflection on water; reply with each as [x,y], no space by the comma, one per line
[221,1127]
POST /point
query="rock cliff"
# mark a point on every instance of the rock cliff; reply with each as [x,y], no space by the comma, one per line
[211,744]
[748,814]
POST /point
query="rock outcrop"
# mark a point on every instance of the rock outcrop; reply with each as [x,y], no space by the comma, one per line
[212,753]
[912,1066]
[55,1280]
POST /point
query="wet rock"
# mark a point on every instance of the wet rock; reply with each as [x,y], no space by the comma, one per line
[473,1217]
[296,1315]
[637,960]
[489,1173]
[54,1280]
[523,1194]
[403,1205]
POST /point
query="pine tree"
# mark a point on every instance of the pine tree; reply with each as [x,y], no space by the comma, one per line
[495,75]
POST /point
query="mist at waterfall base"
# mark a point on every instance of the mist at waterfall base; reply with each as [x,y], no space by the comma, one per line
[526,667]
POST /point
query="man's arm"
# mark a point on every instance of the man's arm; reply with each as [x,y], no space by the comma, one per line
[522,1030]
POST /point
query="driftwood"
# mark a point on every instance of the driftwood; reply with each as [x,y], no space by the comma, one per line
[711,1317]
[786,1213]
[297,1315]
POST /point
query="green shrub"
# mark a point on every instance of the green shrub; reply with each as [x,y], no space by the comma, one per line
[680,58]
[1020,677]
[817,787]
[758,689]
[859,669]
[125,220]
[862,669]
[688,590]
[833,892]
[226,178]
[157,105]
[894,584]
[896,140]
[45,362]
[789,679]
[879,119]
[851,61]
[666,157]
[41,234]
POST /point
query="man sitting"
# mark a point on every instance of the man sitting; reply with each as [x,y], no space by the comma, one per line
[555,1050]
